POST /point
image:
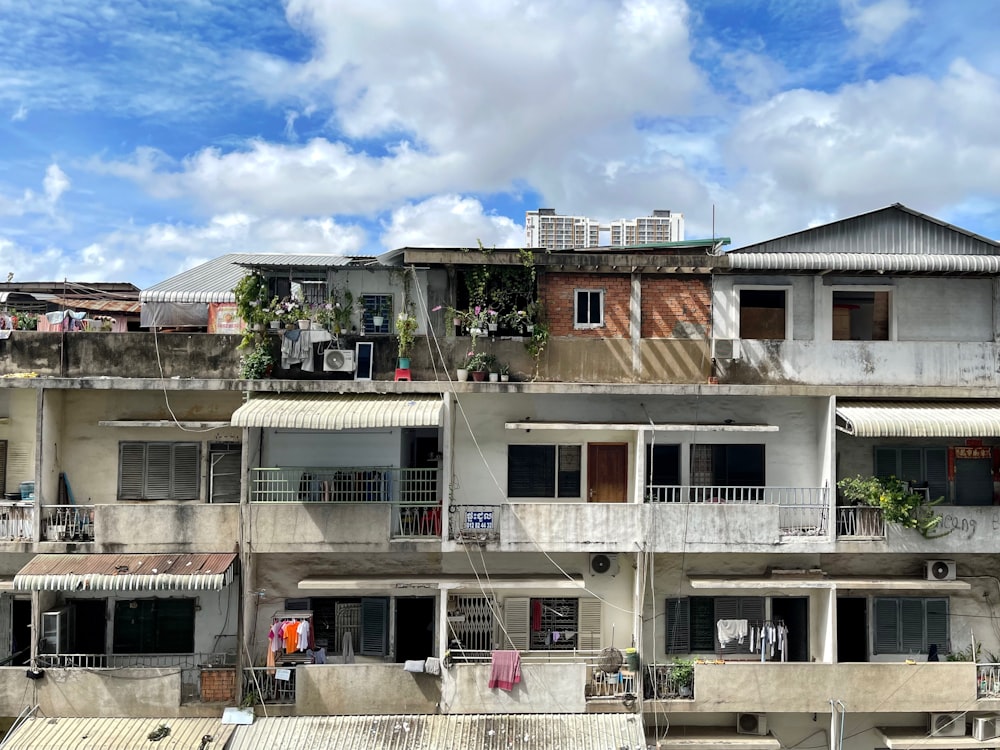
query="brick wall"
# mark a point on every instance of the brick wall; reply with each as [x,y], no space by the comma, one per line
[557,292]
[218,685]
[675,307]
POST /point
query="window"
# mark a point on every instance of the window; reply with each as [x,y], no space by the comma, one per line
[543,470]
[663,473]
[154,626]
[159,471]
[691,622]
[376,315]
[224,465]
[762,313]
[909,625]
[860,316]
[735,465]
[922,467]
[552,623]
[589,311]
[3,466]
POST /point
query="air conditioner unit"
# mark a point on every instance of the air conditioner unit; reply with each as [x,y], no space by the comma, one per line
[751,724]
[338,360]
[986,727]
[602,564]
[725,348]
[941,570]
[947,724]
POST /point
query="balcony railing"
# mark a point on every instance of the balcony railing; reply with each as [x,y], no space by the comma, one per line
[269,684]
[356,484]
[860,522]
[669,682]
[988,681]
[416,520]
[475,523]
[15,522]
[68,523]
[802,511]
[120,661]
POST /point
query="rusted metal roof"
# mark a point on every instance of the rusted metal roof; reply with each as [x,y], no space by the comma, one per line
[918,419]
[339,412]
[131,572]
[444,732]
[99,305]
[118,734]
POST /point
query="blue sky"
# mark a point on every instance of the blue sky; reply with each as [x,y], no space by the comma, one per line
[140,138]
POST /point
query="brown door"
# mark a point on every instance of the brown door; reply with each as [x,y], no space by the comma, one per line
[607,472]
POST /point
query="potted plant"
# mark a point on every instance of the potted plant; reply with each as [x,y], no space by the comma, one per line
[682,677]
[504,369]
[252,299]
[380,312]
[478,365]
[899,504]
[406,327]
[257,363]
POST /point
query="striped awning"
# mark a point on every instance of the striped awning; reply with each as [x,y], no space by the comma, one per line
[132,572]
[326,411]
[898,419]
[884,262]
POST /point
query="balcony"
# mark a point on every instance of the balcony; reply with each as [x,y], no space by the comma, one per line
[348,484]
[860,523]
[16,521]
[68,523]
[164,527]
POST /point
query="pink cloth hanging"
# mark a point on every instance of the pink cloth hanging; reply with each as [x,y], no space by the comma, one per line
[506,670]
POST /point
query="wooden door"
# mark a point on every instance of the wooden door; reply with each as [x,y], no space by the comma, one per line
[607,472]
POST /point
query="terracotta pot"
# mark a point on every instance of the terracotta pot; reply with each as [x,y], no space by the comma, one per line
[479,375]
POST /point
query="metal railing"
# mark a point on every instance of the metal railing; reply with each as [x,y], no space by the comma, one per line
[267,684]
[669,682]
[119,661]
[68,523]
[475,523]
[352,484]
[590,657]
[988,680]
[416,520]
[15,522]
[860,522]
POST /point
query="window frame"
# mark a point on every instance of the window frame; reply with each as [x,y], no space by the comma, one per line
[900,646]
[866,289]
[789,291]
[589,324]
[557,473]
[154,627]
[680,637]
[370,302]
[147,493]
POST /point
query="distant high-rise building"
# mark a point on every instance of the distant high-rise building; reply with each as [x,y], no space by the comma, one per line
[545,228]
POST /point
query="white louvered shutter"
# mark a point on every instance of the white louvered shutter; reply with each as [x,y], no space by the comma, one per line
[516,621]
[590,624]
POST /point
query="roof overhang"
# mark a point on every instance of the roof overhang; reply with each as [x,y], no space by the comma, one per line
[822,582]
[633,426]
[340,412]
[916,738]
[917,419]
[714,738]
[184,425]
[49,733]
[864,262]
[131,572]
[441,582]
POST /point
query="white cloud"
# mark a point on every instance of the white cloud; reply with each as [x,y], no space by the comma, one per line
[449,221]
[20,114]
[877,22]
[54,184]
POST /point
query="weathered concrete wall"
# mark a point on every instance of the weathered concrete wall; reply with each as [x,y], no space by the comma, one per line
[77,692]
[544,688]
[572,527]
[320,527]
[348,689]
[189,527]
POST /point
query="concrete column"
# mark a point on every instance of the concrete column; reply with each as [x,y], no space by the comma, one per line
[635,323]
[446,467]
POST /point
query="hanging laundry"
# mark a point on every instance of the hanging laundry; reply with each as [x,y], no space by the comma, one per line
[505,671]
[731,630]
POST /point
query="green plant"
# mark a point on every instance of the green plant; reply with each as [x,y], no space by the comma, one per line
[911,510]
[682,672]
[479,361]
[252,298]
[406,328]
[258,362]
[26,321]
[503,368]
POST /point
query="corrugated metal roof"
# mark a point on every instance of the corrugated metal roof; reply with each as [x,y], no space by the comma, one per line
[918,419]
[865,262]
[893,229]
[132,572]
[444,732]
[210,282]
[99,305]
[339,412]
[117,734]
[311,260]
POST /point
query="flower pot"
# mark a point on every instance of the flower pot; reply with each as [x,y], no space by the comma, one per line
[305,325]
[254,327]
[504,378]
[404,363]
[531,327]
[476,331]
[462,374]
[479,375]
[378,320]
[492,326]
[494,377]
[275,324]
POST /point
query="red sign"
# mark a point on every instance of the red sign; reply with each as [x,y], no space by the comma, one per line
[973,452]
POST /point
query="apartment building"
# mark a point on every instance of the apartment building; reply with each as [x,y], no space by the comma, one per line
[545,228]
[652,494]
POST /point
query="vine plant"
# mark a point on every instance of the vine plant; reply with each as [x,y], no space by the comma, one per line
[899,504]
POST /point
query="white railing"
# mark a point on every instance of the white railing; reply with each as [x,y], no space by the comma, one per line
[671,681]
[860,522]
[68,523]
[119,661]
[416,520]
[268,685]
[354,484]
[803,511]
[589,657]
[475,523]
[988,680]
[15,522]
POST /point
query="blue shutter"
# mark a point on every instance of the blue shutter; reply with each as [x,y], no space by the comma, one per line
[911,626]
[937,624]
[886,626]
[374,626]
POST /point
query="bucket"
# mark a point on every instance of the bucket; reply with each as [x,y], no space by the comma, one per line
[28,492]
[632,659]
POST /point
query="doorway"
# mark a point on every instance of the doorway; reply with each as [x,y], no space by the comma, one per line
[973,481]
[414,628]
[794,612]
[852,629]
[20,630]
[607,472]
[90,625]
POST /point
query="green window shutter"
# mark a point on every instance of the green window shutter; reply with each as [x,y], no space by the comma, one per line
[911,626]
[703,628]
[173,626]
[911,465]
[886,626]
[937,624]
[516,623]
[678,626]
[936,472]
[186,471]
[885,463]
[726,608]
[131,471]
[374,626]
[158,460]
[590,625]
[531,471]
